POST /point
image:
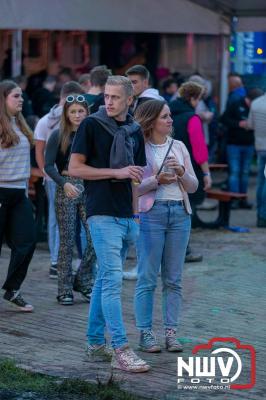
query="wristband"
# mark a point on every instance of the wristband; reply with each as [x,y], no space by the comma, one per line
[206,174]
[135,216]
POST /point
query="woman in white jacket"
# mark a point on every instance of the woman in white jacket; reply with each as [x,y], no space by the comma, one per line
[164,224]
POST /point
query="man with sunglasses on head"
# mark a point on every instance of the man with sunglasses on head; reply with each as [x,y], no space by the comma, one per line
[108,153]
[45,126]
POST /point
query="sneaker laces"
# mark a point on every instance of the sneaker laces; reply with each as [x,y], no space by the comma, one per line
[15,294]
[133,357]
[171,333]
[149,337]
[19,300]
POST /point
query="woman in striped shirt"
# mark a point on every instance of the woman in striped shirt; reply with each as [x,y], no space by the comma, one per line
[16,216]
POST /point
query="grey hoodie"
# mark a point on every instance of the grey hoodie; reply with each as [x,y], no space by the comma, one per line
[151,94]
[48,123]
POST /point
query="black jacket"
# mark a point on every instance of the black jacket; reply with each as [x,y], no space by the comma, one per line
[182,112]
[235,112]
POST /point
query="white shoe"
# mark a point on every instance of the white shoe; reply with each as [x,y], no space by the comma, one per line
[131,275]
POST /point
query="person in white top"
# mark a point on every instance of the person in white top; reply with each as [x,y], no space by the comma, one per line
[257,121]
[164,224]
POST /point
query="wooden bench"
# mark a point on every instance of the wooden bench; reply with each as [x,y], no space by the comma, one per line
[225,199]
[218,167]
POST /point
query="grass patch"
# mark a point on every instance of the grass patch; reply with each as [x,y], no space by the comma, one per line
[19,381]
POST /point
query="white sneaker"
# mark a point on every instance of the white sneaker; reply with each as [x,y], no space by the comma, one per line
[126,360]
[131,275]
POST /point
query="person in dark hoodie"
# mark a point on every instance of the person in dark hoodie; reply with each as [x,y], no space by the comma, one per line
[45,126]
[189,130]
[240,140]
[44,98]
[95,96]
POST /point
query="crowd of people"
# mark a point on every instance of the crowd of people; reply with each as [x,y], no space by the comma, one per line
[122,165]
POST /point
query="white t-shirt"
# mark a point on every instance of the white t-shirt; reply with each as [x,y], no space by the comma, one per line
[171,191]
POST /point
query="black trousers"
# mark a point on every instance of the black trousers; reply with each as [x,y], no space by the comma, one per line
[18,227]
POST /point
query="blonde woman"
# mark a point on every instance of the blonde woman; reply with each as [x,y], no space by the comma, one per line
[69,203]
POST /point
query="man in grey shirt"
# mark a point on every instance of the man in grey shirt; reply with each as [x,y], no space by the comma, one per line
[257,121]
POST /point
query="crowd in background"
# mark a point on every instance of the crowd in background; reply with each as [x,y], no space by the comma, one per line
[174,131]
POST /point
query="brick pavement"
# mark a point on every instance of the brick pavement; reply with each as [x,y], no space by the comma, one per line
[224,296]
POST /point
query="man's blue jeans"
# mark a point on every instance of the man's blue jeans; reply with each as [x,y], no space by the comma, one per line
[53,232]
[163,239]
[261,186]
[239,159]
[109,235]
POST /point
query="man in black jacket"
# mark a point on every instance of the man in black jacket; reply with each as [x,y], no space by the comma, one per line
[240,146]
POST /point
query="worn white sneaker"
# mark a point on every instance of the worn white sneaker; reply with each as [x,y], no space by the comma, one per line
[96,352]
[126,360]
[131,275]
[172,343]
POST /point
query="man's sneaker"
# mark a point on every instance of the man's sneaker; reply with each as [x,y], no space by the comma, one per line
[171,341]
[148,342]
[53,271]
[125,359]
[99,352]
[85,292]
[14,297]
[191,257]
[66,299]
[131,275]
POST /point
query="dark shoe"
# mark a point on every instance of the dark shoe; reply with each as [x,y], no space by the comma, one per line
[85,292]
[14,297]
[66,299]
[191,257]
[53,272]
[261,223]
[234,205]
[245,205]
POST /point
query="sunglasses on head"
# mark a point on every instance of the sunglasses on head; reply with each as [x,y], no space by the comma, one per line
[80,99]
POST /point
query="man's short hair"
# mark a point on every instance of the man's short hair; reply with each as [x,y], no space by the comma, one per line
[140,70]
[70,88]
[99,75]
[118,80]
[84,78]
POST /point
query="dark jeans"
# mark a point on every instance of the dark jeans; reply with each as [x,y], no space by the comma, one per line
[17,225]
[239,160]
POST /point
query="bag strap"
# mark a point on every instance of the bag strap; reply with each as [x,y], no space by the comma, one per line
[168,151]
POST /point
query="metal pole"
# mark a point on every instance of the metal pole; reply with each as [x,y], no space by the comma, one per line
[16,53]
[224,73]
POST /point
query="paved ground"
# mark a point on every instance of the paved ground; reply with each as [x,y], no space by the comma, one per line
[224,296]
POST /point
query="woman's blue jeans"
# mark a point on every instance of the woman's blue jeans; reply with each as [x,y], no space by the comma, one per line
[110,237]
[163,239]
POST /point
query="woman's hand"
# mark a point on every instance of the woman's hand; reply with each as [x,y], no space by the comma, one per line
[172,163]
[70,190]
[165,178]
[207,182]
